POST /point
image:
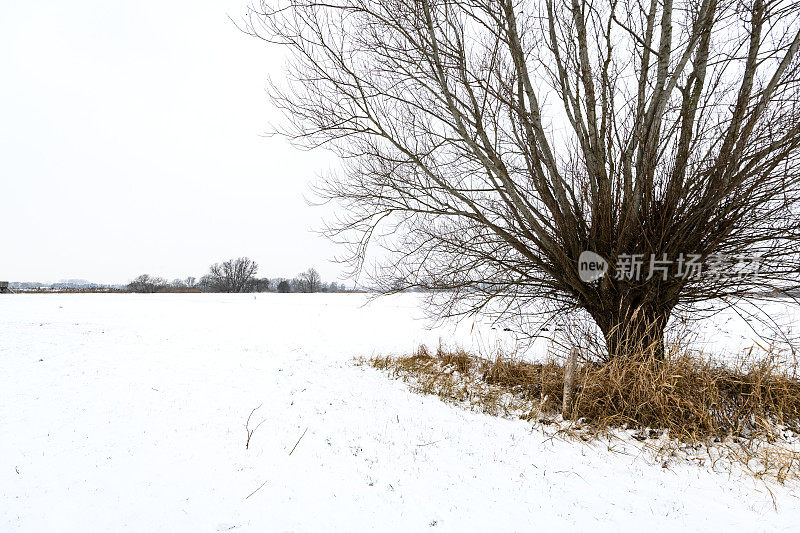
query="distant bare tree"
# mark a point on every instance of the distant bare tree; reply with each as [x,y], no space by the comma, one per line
[147,284]
[261,285]
[309,281]
[488,143]
[234,275]
[206,284]
[140,284]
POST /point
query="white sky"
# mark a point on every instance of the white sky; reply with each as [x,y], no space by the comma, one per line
[131,142]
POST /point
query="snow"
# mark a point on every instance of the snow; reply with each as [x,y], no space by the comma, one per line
[126,413]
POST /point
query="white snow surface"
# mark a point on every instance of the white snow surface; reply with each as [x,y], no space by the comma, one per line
[126,413]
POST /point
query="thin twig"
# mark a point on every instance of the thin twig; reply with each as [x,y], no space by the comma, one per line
[258,489]
[298,442]
[251,431]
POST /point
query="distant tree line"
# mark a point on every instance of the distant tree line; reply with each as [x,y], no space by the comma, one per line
[69,285]
[236,275]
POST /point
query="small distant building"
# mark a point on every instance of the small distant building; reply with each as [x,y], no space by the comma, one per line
[4,287]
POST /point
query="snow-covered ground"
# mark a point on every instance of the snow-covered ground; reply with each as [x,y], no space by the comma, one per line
[127,413]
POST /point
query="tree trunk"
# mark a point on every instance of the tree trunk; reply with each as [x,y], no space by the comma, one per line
[636,333]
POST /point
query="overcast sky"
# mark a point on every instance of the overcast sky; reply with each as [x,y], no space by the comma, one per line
[132,142]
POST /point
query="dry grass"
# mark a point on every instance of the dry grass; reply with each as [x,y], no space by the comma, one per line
[690,397]
[450,375]
[503,387]
[753,407]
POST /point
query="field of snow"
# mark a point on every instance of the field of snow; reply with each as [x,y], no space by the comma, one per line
[127,413]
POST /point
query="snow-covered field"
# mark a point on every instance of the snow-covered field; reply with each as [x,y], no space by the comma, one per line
[127,413]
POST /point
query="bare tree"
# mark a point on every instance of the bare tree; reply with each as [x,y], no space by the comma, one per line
[488,143]
[148,284]
[261,285]
[140,284]
[234,275]
[309,281]
[284,286]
